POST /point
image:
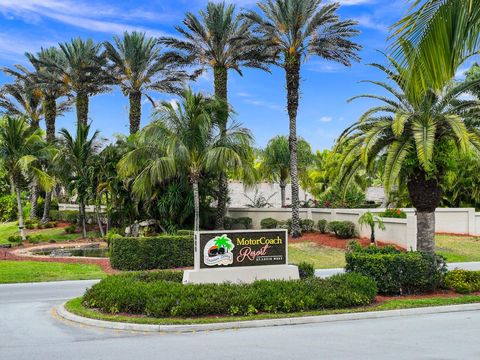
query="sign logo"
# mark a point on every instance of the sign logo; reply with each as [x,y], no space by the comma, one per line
[218,251]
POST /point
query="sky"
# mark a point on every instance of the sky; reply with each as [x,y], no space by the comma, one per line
[259,98]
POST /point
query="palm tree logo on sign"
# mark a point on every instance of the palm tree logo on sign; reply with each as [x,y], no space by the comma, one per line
[218,251]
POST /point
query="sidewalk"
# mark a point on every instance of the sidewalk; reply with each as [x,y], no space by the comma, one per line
[474,265]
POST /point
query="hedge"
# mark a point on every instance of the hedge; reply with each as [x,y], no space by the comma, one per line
[269,223]
[342,229]
[160,252]
[398,272]
[129,293]
[463,281]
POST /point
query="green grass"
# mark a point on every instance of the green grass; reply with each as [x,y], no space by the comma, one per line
[75,306]
[35,271]
[321,257]
[458,248]
[56,234]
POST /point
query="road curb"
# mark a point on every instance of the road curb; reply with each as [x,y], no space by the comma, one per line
[65,314]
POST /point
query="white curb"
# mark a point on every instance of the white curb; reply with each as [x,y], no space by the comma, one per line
[63,313]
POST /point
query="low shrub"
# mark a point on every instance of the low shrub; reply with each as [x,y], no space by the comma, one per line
[8,208]
[394,213]
[160,252]
[397,272]
[322,225]
[185,232]
[306,270]
[70,216]
[29,225]
[70,229]
[49,225]
[35,239]
[463,281]
[269,223]
[307,225]
[230,222]
[342,229]
[139,294]
[15,239]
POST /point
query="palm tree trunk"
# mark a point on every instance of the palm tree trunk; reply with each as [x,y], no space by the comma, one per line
[283,185]
[196,203]
[34,190]
[82,218]
[135,99]
[50,109]
[21,224]
[220,74]
[81,104]
[292,68]
[425,193]
[99,221]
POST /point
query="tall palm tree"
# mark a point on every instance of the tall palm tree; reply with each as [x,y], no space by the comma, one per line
[83,71]
[417,139]
[221,41]
[139,66]
[294,29]
[21,147]
[77,157]
[441,35]
[275,161]
[183,140]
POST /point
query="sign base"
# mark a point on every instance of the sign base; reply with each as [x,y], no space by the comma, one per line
[240,274]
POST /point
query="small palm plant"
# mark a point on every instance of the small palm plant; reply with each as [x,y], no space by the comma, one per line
[371,220]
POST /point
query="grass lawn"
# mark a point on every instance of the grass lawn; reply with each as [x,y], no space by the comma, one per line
[458,248]
[34,271]
[57,234]
[75,306]
[321,257]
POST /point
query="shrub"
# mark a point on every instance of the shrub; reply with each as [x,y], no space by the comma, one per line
[8,208]
[245,221]
[463,281]
[185,232]
[394,213]
[229,222]
[398,272]
[306,270]
[269,223]
[161,252]
[35,239]
[70,216]
[342,229]
[29,226]
[307,225]
[139,294]
[49,225]
[70,229]
[322,225]
[15,239]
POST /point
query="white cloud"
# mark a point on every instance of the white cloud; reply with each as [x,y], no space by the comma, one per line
[354,2]
[326,119]
[13,46]
[262,104]
[371,22]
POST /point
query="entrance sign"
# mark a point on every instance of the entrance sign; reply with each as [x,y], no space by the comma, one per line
[240,256]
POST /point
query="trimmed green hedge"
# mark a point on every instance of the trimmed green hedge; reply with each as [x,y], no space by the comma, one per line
[160,298]
[160,252]
[397,272]
[463,281]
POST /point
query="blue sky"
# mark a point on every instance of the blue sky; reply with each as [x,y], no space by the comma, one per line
[258,97]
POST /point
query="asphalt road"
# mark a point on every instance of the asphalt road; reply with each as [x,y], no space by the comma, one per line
[29,331]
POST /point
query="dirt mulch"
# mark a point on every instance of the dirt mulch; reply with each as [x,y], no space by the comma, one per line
[104,263]
[331,241]
[438,294]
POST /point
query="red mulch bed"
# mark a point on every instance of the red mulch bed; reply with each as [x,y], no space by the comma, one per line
[6,254]
[331,241]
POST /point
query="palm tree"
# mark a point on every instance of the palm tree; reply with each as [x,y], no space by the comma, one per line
[77,157]
[21,148]
[371,221]
[416,138]
[292,30]
[183,140]
[83,71]
[222,41]
[139,66]
[275,162]
[440,35]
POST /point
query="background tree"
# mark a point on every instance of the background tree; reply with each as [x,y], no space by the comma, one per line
[139,66]
[222,41]
[21,147]
[77,157]
[182,140]
[417,138]
[275,161]
[83,72]
[292,30]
